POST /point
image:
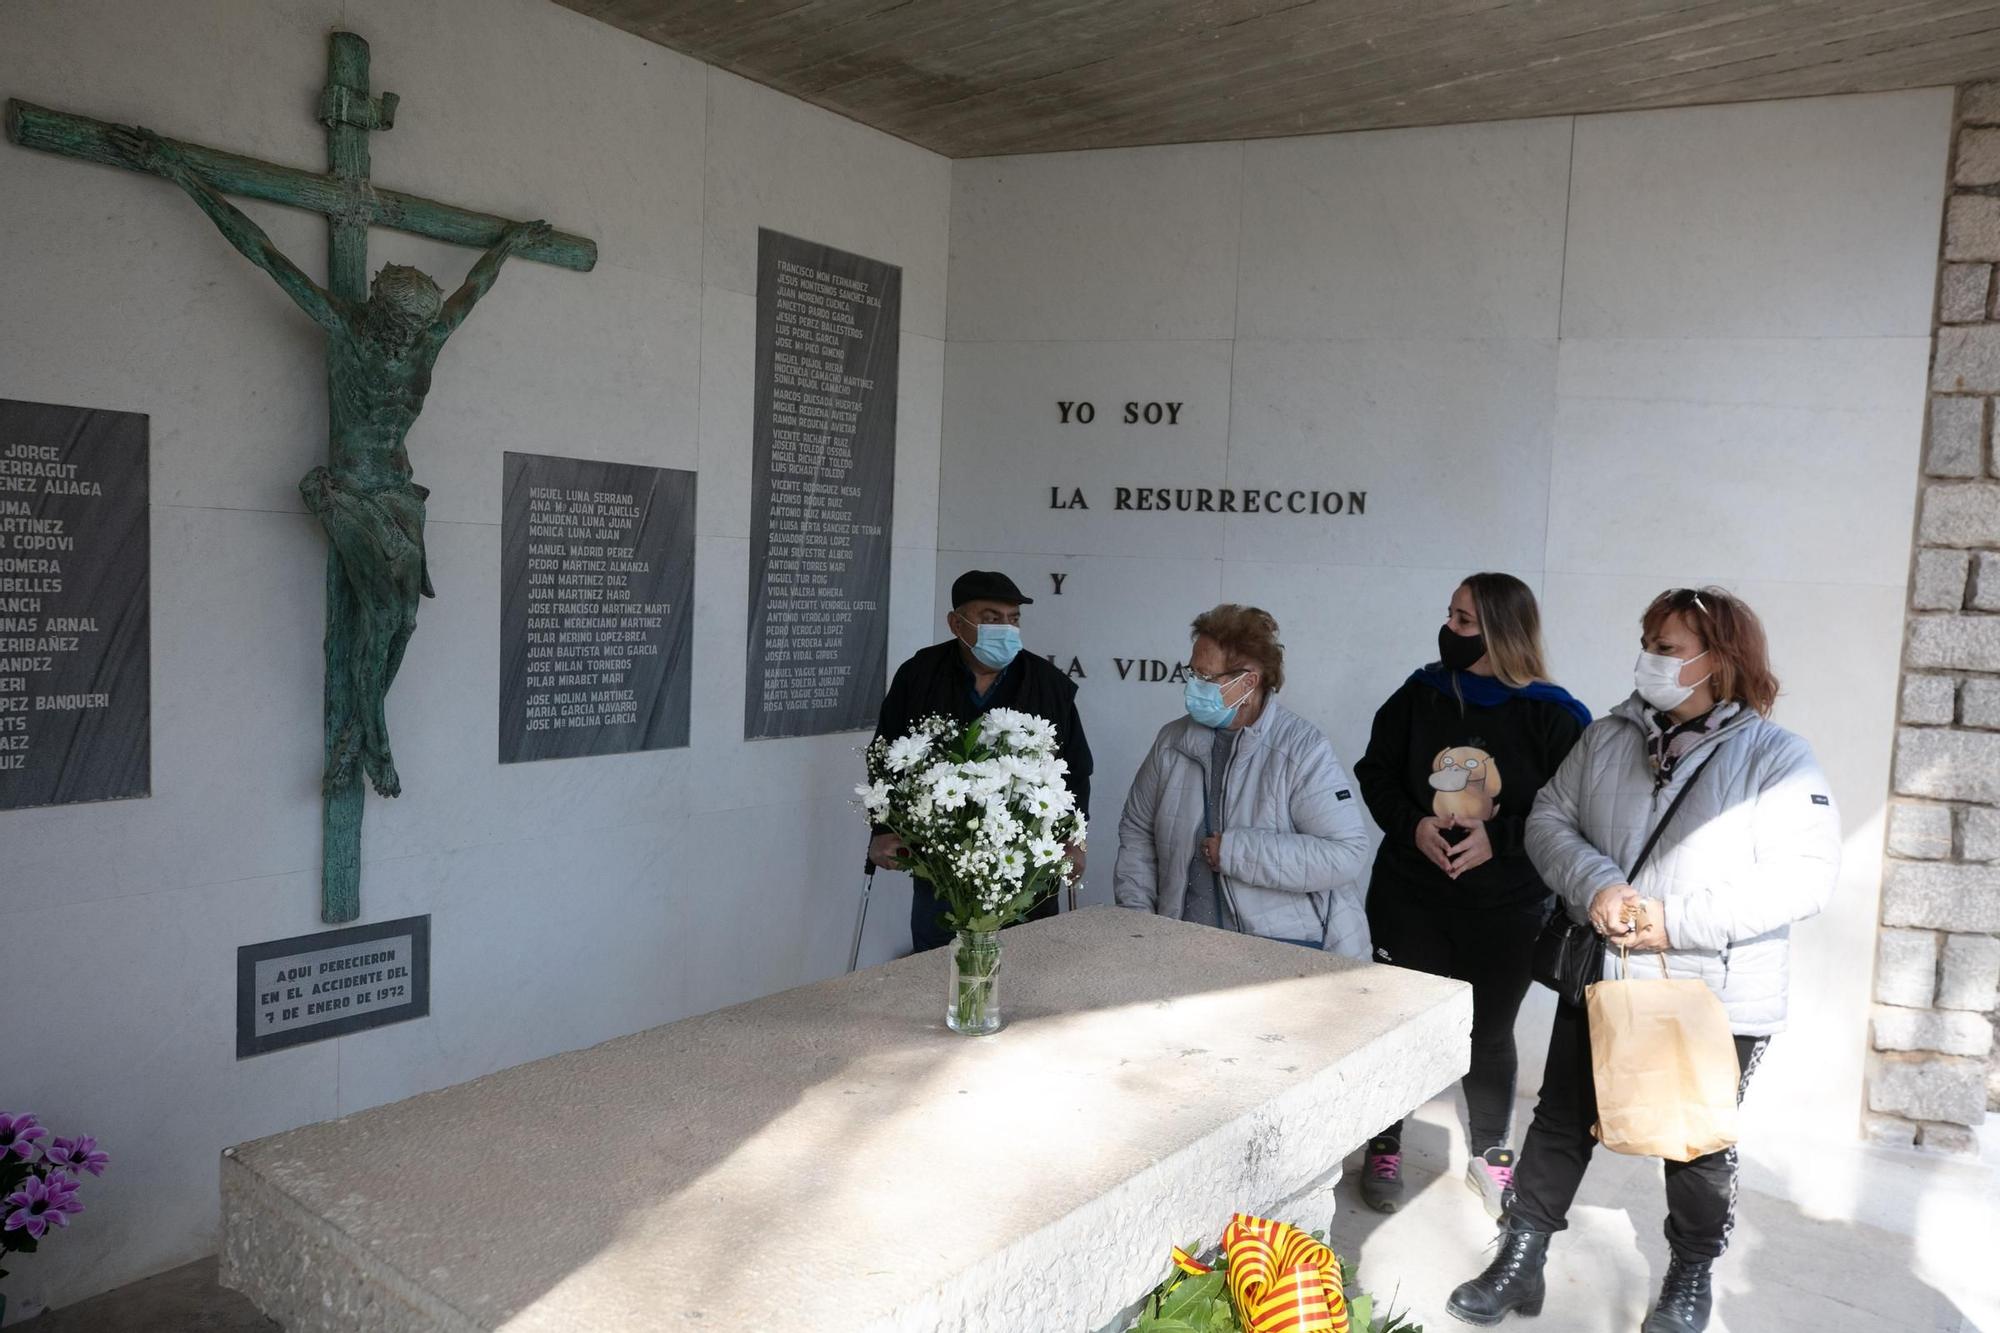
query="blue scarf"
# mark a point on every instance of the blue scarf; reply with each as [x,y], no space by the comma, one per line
[1489,692]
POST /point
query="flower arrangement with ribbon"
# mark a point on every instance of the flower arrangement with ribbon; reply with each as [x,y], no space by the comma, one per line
[1269,1277]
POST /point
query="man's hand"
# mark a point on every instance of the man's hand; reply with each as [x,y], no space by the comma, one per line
[147,151]
[1211,851]
[1430,841]
[887,851]
[1608,910]
[1472,851]
[1075,853]
[1649,916]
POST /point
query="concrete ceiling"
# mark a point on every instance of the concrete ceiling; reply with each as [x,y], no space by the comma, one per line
[969,78]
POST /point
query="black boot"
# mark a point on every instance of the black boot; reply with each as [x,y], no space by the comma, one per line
[1511,1284]
[1685,1298]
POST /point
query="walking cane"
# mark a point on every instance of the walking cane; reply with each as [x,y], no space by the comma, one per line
[861,917]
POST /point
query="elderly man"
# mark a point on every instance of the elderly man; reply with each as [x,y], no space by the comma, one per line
[981,666]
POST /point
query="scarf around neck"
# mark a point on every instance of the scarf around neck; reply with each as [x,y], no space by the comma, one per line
[1490,692]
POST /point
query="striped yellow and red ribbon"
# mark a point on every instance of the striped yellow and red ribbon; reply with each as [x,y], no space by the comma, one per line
[1281,1279]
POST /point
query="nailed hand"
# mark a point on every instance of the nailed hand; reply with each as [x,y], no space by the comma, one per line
[522,234]
[146,150]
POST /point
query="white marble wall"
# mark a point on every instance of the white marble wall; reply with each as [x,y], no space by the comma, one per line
[1609,354]
[572,900]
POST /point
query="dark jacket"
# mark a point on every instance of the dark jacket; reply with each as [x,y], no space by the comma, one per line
[936,680]
[1431,753]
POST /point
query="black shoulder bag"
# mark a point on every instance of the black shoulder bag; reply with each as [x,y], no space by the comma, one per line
[1569,956]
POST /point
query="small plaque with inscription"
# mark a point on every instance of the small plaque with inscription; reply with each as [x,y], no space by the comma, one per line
[311,987]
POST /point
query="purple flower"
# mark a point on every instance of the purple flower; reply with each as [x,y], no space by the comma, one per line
[38,1204]
[18,1134]
[76,1155]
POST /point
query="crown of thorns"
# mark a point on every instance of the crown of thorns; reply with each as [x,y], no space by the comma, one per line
[408,289]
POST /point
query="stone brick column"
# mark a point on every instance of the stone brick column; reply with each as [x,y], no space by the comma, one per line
[1933,1072]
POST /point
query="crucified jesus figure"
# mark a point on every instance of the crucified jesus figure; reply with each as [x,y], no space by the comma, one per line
[379,359]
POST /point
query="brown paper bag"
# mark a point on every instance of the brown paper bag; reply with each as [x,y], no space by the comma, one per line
[1665,1065]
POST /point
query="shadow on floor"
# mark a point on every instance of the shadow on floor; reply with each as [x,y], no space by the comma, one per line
[1785,1271]
[181,1300]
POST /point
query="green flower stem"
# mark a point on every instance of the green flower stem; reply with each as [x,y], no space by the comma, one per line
[977,968]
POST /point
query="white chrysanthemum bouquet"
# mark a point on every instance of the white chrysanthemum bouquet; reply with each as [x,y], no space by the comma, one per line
[984,809]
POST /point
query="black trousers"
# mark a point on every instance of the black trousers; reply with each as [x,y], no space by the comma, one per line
[1701,1195]
[1491,948]
[927,932]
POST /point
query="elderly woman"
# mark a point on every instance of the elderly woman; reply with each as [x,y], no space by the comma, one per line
[1242,816]
[1753,846]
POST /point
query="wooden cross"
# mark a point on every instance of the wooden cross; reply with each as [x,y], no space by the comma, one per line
[351,205]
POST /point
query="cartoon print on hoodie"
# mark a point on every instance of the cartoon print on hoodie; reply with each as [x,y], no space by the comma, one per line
[1466,781]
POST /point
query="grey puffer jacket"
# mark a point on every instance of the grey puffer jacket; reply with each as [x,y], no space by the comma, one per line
[1754,847]
[1293,837]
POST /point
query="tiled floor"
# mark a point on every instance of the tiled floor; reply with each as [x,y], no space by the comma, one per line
[1861,1239]
[1848,1241]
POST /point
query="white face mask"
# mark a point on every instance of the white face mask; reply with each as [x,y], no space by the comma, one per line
[1658,679]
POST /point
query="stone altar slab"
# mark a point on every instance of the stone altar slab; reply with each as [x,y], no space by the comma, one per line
[831,1157]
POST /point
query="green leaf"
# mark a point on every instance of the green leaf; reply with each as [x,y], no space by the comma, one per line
[1190,1298]
[1150,1325]
[1397,1321]
[1360,1310]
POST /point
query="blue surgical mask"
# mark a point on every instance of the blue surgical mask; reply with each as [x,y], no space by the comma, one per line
[997,645]
[1203,699]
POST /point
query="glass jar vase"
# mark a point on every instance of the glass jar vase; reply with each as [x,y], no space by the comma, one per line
[972,1006]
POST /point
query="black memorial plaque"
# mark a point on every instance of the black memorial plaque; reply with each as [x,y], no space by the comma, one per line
[597,607]
[311,987]
[75,634]
[822,488]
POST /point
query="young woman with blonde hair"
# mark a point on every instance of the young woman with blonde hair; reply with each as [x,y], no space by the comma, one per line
[1453,764]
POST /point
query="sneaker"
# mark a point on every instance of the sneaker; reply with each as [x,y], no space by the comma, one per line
[1382,1176]
[1490,1175]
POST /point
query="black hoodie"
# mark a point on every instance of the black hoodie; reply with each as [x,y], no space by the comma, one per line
[1433,752]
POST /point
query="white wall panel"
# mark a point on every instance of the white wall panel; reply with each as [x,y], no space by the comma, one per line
[1448,232]
[1769,458]
[1805,219]
[1130,243]
[1449,441]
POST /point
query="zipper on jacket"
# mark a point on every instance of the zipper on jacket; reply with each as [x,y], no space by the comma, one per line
[1221,881]
[1222,808]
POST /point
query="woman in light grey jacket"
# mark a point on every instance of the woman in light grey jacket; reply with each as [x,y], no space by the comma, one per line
[1241,815]
[1753,846]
